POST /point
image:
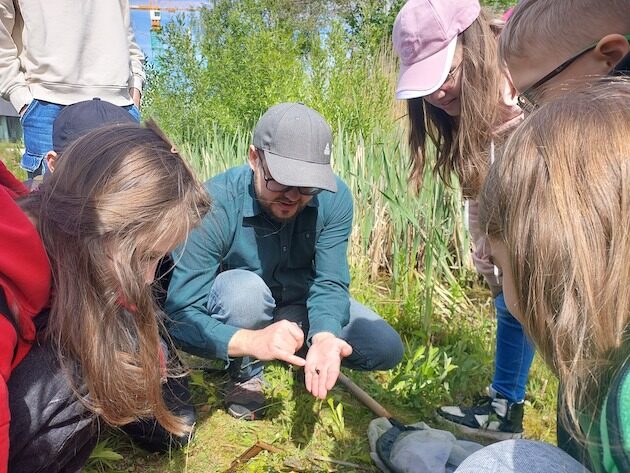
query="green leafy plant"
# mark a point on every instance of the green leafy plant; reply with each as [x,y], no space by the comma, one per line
[339,426]
[103,458]
[421,378]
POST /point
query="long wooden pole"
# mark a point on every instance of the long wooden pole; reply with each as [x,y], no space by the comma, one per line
[364,397]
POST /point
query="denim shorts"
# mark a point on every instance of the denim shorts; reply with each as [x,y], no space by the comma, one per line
[37,123]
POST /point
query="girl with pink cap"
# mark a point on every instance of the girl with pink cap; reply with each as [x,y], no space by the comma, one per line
[461,103]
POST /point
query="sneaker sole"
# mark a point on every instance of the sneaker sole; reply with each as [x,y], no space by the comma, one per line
[484,433]
[249,416]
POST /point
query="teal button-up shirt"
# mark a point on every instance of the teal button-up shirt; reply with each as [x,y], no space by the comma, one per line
[303,261]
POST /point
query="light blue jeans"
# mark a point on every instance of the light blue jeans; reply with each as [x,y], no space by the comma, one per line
[37,123]
[514,355]
[241,299]
[520,456]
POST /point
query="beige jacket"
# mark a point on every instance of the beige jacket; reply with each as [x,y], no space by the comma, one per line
[66,51]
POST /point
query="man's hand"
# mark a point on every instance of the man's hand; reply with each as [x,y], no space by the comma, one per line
[136,95]
[278,341]
[323,362]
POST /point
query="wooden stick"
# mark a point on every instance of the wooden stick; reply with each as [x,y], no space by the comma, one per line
[364,397]
[339,462]
[250,453]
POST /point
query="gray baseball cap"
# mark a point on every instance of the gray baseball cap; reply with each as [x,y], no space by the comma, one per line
[297,144]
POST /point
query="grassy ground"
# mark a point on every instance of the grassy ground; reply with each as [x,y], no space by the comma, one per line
[10,155]
[307,431]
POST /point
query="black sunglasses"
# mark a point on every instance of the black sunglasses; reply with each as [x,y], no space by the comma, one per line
[274,186]
[526,100]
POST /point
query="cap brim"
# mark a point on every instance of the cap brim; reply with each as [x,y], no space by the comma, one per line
[293,172]
[425,77]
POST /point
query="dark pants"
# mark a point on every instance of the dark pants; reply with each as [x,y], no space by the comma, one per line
[150,435]
[51,431]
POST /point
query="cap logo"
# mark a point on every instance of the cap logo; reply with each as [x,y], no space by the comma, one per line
[327,149]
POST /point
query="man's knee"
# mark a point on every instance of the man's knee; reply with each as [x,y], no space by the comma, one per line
[373,354]
[242,299]
[389,353]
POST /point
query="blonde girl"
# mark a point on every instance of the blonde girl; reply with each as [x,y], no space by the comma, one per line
[556,207]
[118,201]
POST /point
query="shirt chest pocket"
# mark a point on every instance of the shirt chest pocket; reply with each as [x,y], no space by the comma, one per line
[302,250]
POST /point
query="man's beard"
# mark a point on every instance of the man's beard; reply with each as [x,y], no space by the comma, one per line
[267,204]
[267,208]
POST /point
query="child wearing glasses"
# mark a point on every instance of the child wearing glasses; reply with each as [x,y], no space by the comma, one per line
[460,102]
[550,49]
[565,272]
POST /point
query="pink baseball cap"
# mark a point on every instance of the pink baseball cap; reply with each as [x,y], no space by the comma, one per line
[425,38]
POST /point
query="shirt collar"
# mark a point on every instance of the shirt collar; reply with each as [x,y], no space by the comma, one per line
[250,204]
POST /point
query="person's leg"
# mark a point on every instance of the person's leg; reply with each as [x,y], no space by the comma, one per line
[50,430]
[242,299]
[514,355]
[375,344]
[150,435]
[499,416]
[37,123]
[520,456]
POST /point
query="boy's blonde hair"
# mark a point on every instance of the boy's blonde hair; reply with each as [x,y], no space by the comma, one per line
[538,28]
[558,196]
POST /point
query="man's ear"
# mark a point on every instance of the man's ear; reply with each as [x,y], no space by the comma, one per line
[611,49]
[51,159]
[253,157]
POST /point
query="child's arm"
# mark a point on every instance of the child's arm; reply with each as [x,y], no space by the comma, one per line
[13,84]
[8,341]
[481,252]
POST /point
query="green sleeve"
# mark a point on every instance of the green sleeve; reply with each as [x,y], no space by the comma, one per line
[613,447]
[197,263]
[328,301]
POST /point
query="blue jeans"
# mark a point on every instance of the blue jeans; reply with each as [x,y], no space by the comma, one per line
[37,123]
[241,299]
[514,355]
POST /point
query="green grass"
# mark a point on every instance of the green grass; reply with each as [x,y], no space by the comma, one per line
[306,429]
[410,261]
[10,154]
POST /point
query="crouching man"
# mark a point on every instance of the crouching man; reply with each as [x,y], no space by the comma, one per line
[266,276]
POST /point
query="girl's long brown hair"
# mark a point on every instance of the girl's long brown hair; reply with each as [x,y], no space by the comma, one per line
[116,193]
[461,143]
[558,196]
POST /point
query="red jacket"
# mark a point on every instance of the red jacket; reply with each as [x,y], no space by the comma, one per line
[11,183]
[25,279]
